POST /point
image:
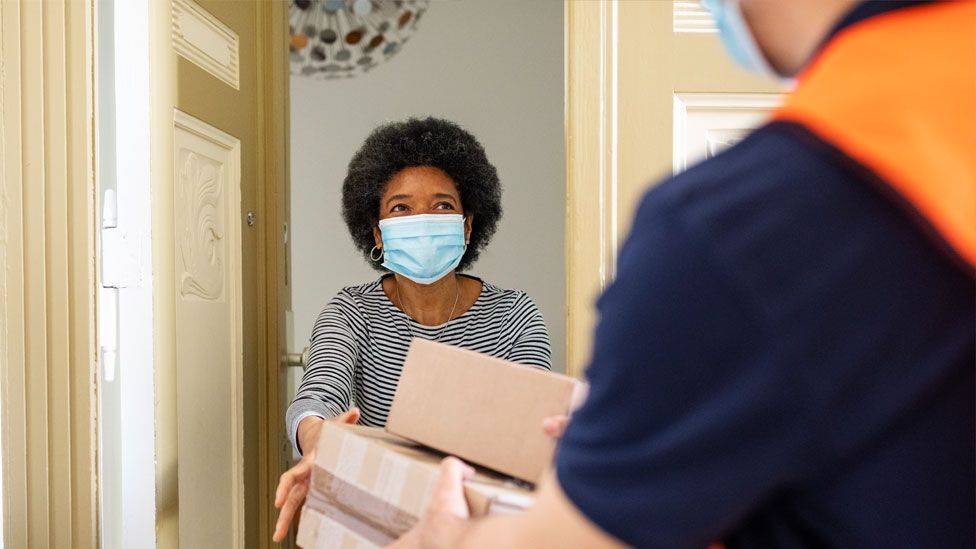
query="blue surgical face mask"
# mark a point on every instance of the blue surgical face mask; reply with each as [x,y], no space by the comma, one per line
[737,37]
[423,248]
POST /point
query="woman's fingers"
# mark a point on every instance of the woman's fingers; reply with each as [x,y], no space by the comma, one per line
[293,484]
[349,416]
[555,426]
[298,473]
[295,499]
[284,486]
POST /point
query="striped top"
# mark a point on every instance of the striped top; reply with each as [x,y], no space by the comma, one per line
[360,339]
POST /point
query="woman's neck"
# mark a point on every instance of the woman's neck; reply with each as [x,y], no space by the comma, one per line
[428,304]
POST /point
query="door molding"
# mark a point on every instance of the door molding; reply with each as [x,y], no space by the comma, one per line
[207,164]
[203,39]
[47,274]
[591,167]
[273,253]
[739,113]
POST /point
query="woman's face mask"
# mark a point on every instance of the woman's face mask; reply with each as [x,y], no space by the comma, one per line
[423,248]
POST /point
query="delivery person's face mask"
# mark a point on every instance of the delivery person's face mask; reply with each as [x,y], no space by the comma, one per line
[737,37]
[424,247]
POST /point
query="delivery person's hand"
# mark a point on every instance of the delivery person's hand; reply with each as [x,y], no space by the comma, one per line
[555,426]
[293,485]
[447,513]
[552,521]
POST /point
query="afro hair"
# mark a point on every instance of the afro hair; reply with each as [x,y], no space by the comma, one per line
[433,142]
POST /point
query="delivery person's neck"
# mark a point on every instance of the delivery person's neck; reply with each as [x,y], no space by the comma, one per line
[789,33]
[428,304]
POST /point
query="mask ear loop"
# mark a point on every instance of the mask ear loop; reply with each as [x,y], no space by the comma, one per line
[372,254]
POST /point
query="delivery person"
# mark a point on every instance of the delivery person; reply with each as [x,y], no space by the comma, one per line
[787,355]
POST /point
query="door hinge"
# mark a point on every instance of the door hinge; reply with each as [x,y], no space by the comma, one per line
[120,251]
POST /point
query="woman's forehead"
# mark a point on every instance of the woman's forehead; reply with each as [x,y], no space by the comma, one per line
[421,181]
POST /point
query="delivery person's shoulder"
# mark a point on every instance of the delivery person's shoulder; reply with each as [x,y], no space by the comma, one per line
[781,213]
[770,196]
[774,166]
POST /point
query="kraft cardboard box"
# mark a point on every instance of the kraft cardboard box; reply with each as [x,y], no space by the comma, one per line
[369,487]
[485,410]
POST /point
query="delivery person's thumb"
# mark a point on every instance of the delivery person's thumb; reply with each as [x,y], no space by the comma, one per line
[448,496]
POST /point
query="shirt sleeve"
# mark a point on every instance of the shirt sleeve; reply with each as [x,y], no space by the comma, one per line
[326,387]
[531,338]
[693,417]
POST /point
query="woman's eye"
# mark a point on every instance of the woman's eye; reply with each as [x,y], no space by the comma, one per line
[399,208]
[443,206]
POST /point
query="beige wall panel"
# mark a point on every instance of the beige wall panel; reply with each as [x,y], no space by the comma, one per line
[48,283]
[12,329]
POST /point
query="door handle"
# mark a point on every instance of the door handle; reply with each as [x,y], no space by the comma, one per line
[295,360]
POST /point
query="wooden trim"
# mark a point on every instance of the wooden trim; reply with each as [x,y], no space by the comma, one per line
[47,275]
[205,41]
[591,182]
[162,81]
[273,98]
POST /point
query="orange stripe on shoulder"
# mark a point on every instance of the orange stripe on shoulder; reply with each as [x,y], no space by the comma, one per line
[897,93]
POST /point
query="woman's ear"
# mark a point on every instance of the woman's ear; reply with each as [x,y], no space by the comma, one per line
[467,229]
[377,236]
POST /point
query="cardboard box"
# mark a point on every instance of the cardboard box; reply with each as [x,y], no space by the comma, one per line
[369,487]
[485,410]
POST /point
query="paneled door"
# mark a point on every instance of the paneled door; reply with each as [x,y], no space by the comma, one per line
[649,92]
[218,155]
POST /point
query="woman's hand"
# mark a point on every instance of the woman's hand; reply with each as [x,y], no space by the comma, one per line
[293,485]
[555,426]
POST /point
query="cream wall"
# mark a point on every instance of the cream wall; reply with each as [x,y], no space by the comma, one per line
[496,68]
[47,275]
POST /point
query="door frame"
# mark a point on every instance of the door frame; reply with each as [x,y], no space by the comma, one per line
[274,253]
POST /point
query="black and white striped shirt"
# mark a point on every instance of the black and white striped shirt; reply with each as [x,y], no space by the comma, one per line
[359,343]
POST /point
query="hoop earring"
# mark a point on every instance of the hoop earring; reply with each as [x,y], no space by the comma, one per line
[373,252]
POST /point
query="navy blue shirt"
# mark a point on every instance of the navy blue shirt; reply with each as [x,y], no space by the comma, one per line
[784,360]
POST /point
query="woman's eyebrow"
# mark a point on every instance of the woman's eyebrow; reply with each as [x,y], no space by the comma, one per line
[397,197]
[445,195]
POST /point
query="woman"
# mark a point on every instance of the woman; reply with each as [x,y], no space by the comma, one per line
[421,201]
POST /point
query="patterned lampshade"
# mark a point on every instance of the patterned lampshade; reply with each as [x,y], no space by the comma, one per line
[343,38]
